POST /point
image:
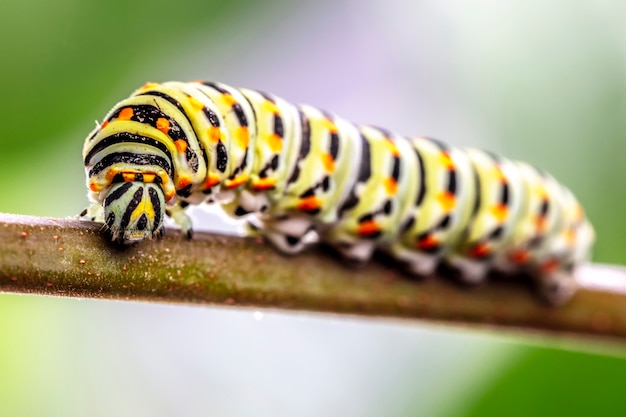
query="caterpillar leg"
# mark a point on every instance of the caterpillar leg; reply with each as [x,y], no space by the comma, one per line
[473,272]
[246,203]
[415,263]
[356,253]
[289,235]
[180,217]
[93,213]
[557,287]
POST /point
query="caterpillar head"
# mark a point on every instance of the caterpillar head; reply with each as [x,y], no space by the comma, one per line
[133,211]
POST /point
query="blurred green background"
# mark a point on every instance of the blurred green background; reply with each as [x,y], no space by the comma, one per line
[539,81]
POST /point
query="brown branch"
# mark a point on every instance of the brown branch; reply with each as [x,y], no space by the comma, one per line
[71,258]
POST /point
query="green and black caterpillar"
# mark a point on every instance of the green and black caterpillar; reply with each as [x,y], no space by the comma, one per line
[300,174]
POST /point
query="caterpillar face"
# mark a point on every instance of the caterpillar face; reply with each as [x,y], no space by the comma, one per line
[300,174]
[133,211]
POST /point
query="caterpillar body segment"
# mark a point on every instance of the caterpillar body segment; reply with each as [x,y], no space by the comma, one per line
[300,175]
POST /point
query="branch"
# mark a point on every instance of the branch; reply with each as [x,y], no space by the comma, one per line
[71,258]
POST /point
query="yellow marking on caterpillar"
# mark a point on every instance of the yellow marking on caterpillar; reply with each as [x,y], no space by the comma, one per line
[275,142]
[237,181]
[579,212]
[499,174]
[229,99]
[446,161]
[128,176]
[148,85]
[149,178]
[195,103]
[271,107]
[329,162]
[500,212]
[211,181]
[264,184]
[541,191]
[163,125]
[447,201]
[145,207]
[391,185]
[243,137]
[391,146]
[330,125]
[214,133]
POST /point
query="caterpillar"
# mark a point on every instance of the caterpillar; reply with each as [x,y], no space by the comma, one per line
[300,175]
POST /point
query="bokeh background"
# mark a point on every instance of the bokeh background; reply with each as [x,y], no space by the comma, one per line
[539,81]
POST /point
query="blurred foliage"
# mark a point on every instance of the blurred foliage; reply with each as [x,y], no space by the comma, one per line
[548,382]
[64,61]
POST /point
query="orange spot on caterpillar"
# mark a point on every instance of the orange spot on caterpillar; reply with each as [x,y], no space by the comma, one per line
[163,125]
[181,145]
[183,182]
[329,162]
[500,212]
[368,228]
[391,186]
[309,203]
[274,142]
[214,134]
[427,242]
[148,85]
[480,250]
[243,137]
[104,124]
[520,256]
[237,181]
[211,181]
[570,236]
[126,114]
[111,173]
[446,161]
[264,184]
[447,201]
[549,266]
[540,224]
[93,186]
[195,103]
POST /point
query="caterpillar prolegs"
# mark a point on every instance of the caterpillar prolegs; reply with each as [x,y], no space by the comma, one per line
[300,174]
